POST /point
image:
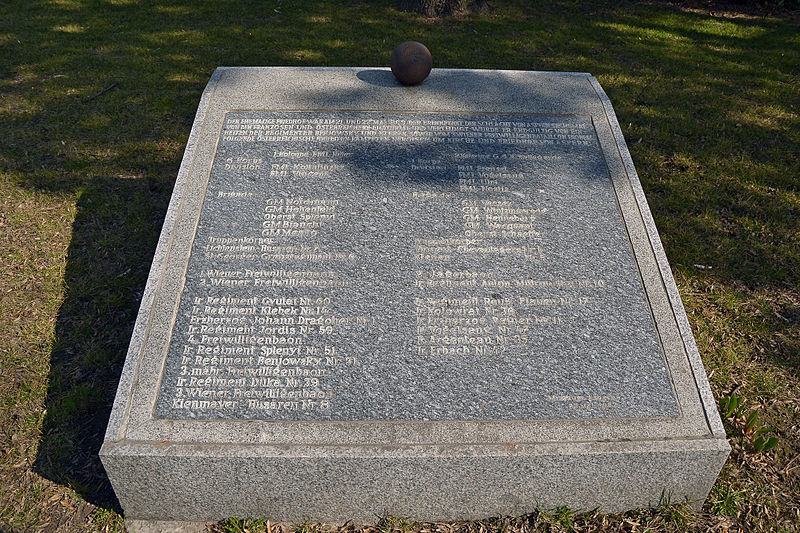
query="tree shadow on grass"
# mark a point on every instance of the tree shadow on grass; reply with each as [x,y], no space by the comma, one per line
[114,235]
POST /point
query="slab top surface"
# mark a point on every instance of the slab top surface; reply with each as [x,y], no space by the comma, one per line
[474,250]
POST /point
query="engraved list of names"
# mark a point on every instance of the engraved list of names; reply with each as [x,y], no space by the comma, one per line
[392,266]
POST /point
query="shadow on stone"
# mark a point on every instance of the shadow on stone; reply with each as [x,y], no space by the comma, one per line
[381,78]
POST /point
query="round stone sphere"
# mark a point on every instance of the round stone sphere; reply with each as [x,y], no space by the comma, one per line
[411,62]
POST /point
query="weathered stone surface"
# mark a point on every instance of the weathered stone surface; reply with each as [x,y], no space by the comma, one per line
[445,301]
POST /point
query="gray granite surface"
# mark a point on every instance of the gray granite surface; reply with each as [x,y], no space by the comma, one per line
[443,301]
[455,267]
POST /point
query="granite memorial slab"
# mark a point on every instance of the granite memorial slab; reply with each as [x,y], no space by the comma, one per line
[445,301]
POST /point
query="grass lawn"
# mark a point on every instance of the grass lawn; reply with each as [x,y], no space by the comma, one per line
[97,99]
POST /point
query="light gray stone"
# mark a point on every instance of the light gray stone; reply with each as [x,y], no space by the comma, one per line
[444,301]
[163,526]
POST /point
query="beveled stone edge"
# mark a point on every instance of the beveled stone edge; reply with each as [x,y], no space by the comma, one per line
[405,451]
[121,407]
[668,279]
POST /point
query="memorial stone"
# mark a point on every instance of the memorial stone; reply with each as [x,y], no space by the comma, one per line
[445,301]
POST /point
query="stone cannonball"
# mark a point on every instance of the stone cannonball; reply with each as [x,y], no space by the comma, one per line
[411,62]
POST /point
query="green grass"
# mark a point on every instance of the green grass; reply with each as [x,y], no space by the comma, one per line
[96,103]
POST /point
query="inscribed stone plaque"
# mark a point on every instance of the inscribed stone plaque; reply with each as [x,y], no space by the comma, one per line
[446,301]
[382,266]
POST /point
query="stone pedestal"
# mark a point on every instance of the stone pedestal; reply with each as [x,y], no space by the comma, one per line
[446,301]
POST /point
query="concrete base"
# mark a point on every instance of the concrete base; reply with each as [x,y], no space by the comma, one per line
[164,526]
[426,482]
